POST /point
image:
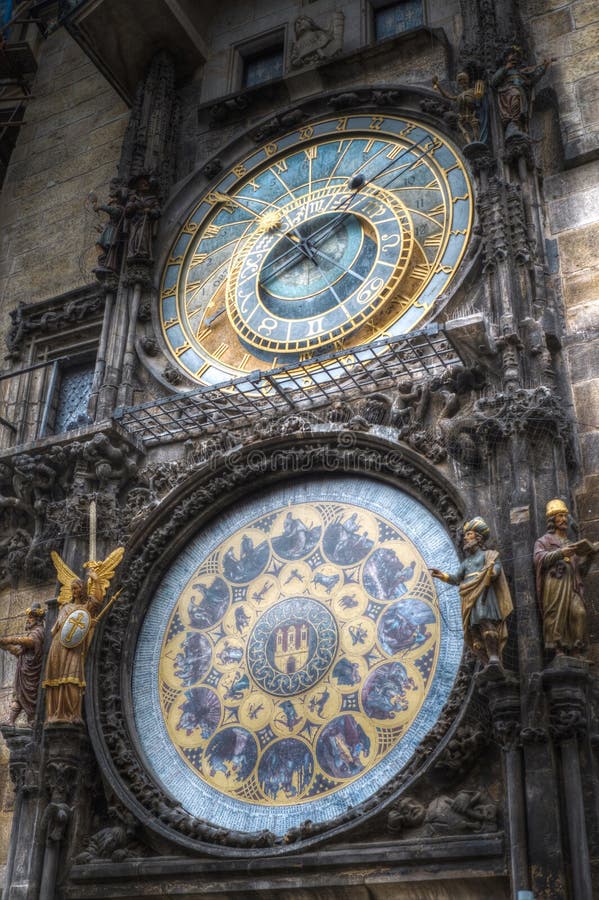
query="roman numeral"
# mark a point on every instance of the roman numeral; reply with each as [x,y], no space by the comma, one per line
[420,271]
[220,351]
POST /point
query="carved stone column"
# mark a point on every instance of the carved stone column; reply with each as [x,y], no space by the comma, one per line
[566,683]
[138,278]
[110,284]
[62,775]
[23,774]
[503,696]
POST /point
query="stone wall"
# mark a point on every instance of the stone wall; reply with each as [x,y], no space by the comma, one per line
[69,146]
[570,32]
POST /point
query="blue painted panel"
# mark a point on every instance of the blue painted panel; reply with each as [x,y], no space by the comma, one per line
[73,396]
[264,67]
[398,17]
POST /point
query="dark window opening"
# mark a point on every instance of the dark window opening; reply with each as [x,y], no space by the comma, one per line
[263,66]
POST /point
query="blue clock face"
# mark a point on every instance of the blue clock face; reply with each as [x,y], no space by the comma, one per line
[340,232]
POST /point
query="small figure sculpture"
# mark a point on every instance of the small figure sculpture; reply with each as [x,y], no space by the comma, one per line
[486,599]
[28,648]
[109,243]
[73,630]
[472,120]
[559,568]
[313,43]
[514,83]
[141,212]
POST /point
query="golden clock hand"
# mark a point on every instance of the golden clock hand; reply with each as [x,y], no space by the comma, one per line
[358,181]
[208,322]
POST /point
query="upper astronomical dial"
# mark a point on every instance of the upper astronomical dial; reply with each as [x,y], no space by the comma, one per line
[339,233]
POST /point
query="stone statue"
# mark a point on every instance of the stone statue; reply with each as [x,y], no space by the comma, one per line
[486,599]
[80,606]
[469,100]
[559,569]
[29,649]
[469,812]
[313,43]
[141,213]
[110,241]
[514,82]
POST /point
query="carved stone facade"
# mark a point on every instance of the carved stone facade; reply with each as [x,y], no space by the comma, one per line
[491,413]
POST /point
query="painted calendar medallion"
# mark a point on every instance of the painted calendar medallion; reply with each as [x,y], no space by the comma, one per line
[296,653]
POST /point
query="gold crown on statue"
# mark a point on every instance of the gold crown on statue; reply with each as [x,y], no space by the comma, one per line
[554,507]
[35,610]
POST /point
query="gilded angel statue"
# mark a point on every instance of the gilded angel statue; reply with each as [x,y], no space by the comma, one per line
[80,607]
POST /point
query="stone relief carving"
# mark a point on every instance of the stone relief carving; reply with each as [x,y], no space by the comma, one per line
[313,43]
[40,319]
[45,496]
[469,812]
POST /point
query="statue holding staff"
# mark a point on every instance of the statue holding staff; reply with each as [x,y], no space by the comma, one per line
[81,606]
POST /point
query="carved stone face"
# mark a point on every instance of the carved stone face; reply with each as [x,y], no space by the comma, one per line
[463,81]
[561,521]
[472,541]
[302,25]
[77,589]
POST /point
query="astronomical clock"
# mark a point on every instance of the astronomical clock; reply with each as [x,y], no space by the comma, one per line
[294,650]
[341,232]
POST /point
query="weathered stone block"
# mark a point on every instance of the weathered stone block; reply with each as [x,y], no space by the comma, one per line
[583,319]
[581,287]
[579,248]
[585,12]
[586,403]
[579,209]
[552,25]
[572,68]
[583,361]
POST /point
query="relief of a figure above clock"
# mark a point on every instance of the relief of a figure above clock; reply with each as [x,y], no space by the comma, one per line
[339,233]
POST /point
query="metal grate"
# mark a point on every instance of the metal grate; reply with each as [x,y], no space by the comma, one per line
[344,375]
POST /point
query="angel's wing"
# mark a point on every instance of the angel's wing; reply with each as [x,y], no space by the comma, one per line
[66,577]
[105,569]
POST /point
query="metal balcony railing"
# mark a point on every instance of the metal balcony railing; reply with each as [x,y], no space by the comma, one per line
[314,384]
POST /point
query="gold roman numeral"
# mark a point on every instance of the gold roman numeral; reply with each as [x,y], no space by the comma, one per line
[220,351]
